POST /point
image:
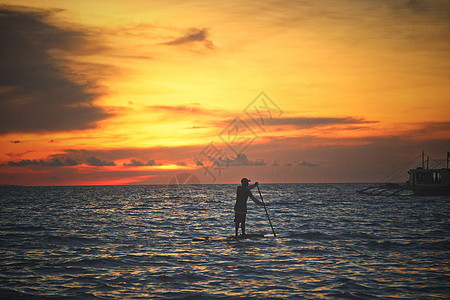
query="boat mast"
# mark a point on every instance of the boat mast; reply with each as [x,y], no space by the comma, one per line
[448,157]
[423,160]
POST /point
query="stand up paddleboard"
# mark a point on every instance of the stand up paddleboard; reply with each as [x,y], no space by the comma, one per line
[245,236]
[230,238]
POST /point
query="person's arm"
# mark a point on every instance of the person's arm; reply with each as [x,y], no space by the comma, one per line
[252,186]
[255,199]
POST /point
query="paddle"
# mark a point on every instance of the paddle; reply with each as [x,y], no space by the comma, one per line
[266,211]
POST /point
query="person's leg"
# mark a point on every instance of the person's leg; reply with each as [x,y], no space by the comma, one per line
[243,227]
[236,224]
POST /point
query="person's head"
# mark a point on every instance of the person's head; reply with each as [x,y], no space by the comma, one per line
[244,181]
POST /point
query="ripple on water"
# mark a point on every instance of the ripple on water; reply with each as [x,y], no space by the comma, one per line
[136,242]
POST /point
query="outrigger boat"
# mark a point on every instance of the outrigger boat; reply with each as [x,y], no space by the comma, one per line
[422,181]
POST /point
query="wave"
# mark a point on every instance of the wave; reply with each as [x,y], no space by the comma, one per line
[415,244]
[6,293]
[25,228]
[387,244]
[70,239]
[311,235]
[93,262]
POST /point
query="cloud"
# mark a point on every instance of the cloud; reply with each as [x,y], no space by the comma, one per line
[351,123]
[38,92]
[429,128]
[18,154]
[128,154]
[309,122]
[194,108]
[139,163]
[181,163]
[70,158]
[96,162]
[53,162]
[436,9]
[240,160]
[142,154]
[191,36]
[308,164]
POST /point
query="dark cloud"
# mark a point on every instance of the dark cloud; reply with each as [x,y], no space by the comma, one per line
[142,154]
[52,162]
[308,122]
[96,162]
[15,142]
[429,128]
[22,163]
[191,36]
[115,154]
[440,9]
[139,163]
[240,160]
[37,91]
[307,164]
[63,160]
[352,123]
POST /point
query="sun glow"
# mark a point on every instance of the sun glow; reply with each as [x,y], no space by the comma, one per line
[129,88]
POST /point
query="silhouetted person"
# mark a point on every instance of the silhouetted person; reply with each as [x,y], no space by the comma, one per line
[240,208]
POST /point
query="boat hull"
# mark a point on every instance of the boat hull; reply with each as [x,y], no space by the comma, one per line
[431,191]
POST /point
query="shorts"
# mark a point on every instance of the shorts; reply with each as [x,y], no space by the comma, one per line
[239,218]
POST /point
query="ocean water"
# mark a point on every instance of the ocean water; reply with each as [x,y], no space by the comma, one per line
[116,242]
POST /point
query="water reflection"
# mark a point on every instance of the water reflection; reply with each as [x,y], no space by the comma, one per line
[131,242]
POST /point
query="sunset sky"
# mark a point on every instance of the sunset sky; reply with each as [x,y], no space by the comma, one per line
[147,92]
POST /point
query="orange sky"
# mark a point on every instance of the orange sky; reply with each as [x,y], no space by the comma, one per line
[137,92]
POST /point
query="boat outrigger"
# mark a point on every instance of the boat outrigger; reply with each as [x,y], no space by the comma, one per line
[422,181]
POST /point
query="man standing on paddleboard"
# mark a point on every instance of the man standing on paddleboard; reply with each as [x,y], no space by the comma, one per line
[240,208]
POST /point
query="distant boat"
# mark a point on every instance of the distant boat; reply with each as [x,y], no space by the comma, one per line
[422,181]
[429,182]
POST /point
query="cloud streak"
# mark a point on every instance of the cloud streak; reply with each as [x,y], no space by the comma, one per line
[308,164]
[183,109]
[53,162]
[96,162]
[62,160]
[193,35]
[37,90]
[239,160]
[309,122]
[139,163]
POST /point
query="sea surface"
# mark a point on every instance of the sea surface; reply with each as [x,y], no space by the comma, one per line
[127,242]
